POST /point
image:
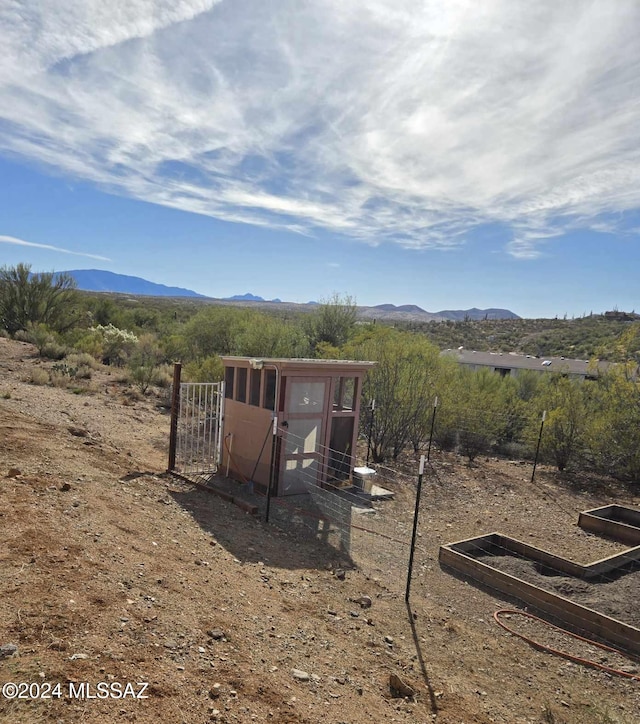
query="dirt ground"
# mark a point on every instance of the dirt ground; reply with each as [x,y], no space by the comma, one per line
[617,596]
[111,572]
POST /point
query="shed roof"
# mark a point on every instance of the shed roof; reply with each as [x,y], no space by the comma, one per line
[300,362]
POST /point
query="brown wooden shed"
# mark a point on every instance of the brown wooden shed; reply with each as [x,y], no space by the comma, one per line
[316,405]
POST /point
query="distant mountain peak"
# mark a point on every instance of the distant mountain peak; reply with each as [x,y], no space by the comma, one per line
[99,280]
[248,297]
[402,308]
[475,314]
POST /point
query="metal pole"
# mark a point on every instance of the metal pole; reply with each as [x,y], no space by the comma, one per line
[272,466]
[175,404]
[415,529]
[535,461]
[373,410]
[433,422]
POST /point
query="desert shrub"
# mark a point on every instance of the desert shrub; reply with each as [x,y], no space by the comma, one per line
[110,344]
[401,383]
[209,369]
[82,359]
[90,343]
[21,336]
[84,372]
[59,379]
[131,396]
[70,371]
[612,432]
[333,322]
[163,377]
[123,377]
[566,423]
[81,390]
[3,333]
[144,362]
[53,350]
[31,299]
[37,376]
[262,335]
[40,336]
[213,330]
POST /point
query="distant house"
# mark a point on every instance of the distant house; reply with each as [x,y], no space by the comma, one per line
[510,363]
[622,316]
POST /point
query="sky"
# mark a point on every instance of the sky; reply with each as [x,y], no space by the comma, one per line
[449,154]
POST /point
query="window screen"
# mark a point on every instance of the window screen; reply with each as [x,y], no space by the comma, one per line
[241,390]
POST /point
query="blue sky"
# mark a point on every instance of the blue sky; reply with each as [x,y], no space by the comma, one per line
[446,154]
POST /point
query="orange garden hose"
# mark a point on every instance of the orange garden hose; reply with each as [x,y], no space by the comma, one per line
[564,654]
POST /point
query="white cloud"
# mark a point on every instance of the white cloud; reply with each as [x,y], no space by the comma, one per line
[21,242]
[405,121]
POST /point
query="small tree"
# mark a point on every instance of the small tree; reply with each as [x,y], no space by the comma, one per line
[402,384]
[613,427]
[334,321]
[213,330]
[566,422]
[209,369]
[267,336]
[144,361]
[479,420]
[31,299]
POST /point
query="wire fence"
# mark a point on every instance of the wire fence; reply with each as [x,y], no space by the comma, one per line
[369,522]
[378,535]
[364,527]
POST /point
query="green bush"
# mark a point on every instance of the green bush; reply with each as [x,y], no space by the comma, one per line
[144,362]
[53,350]
[63,374]
[31,299]
[82,359]
[37,376]
[163,376]
[108,343]
[209,369]
[22,336]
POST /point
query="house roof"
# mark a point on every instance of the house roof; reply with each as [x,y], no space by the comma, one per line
[511,360]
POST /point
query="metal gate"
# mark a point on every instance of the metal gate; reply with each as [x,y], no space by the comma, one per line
[198,442]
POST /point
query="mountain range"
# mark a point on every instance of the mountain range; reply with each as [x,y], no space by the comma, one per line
[97,280]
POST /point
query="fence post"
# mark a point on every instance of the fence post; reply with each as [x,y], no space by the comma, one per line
[433,422]
[175,407]
[272,465]
[415,529]
[373,410]
[535,461]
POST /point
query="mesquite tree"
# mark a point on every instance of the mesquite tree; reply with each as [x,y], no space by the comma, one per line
[28,299]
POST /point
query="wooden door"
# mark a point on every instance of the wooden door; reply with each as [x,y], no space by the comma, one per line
[303,422]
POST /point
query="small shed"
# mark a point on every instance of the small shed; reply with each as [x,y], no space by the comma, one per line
[316,404]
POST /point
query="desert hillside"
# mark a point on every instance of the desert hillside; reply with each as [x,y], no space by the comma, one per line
[113,572]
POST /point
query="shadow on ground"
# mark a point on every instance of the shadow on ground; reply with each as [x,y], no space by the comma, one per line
[297,535]
[423,668]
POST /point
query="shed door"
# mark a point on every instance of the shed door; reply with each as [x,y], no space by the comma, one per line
[303,438]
